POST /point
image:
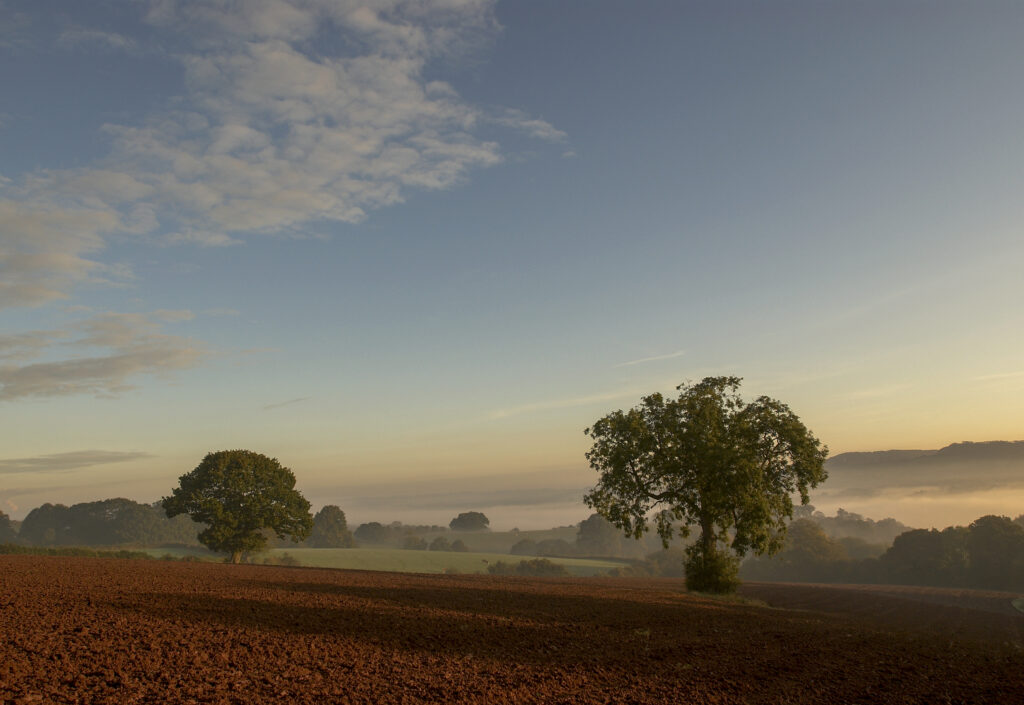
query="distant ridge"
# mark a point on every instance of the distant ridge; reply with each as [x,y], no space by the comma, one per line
[965,452]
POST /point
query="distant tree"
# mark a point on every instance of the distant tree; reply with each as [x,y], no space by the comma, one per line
[330,529]
[668,562]
[524,547]
[995,549]
[469,521]
[47,525]
[541,567]
[112,522]
[459,546]
[373,532]
[554,547]
[238,494]
[598,537]
[440,543]
[414,543]
[858,549]
[927,557]
[808,544]
[712,461]
[7,532]
[501,568]
[535,567]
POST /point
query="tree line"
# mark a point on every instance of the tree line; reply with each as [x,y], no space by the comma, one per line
[988,554]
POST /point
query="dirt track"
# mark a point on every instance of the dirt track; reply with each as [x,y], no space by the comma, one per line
[99,630]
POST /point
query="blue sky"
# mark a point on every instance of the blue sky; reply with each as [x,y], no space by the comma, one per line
[412,249]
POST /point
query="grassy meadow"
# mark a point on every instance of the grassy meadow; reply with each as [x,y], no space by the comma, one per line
[395,559]
[404,561]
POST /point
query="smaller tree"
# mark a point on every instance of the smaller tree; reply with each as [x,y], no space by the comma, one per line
[524,547]
[414,543]
[598,537]
[469,521]
[7,532]
[330,529]
[995,548]
[459,546]
[373,532]
[238,494]
[440,543]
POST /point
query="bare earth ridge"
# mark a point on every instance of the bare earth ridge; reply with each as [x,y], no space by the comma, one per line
[77,630]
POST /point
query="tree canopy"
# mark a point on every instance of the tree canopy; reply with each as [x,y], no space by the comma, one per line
[469,521]
[598,537]
[238,494]
[330,529]
[7,532]
[707,459]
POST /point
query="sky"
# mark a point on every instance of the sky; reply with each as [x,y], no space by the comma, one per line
[412,248]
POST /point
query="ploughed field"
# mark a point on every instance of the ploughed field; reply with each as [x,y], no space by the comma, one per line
[115,631]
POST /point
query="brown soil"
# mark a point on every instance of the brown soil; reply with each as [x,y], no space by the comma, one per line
[107,631]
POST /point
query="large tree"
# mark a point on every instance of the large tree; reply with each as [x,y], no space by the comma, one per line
[707,459]
[238,494]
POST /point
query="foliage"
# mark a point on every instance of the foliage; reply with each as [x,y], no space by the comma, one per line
[809,554]
[414,543]
[396,559]
[372,532]
[711,569]
[284,559]
[330,529]
[554,547]
[440,543]
[928,555]
[469,521]
[7,532]
[459,546]
[238,494]
[598,537]
[394,533]
[709,460]
[109,522]
[536,567]
[995,549]
[667,563]
[76,552]
[524,547]
[851,524]
[987,554]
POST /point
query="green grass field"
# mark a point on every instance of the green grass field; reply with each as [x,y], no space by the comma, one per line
[395,559]
[398,560]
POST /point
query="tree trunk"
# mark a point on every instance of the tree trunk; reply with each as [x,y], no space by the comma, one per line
[236,557]
[707,537]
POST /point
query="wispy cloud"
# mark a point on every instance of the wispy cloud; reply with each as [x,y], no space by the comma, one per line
[79,36]
[998,376]
[871,393]
[534,127]
[110,351]
[558,404]
[270,137]
[279,404]
[64,462]
[655,358]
